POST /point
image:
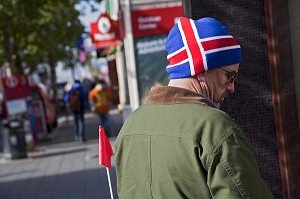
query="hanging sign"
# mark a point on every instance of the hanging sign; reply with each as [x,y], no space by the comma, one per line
[154,20]
[105,32]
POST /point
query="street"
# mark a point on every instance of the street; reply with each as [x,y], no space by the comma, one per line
[61,168]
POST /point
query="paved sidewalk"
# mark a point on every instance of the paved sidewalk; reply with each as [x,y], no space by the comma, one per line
[61,168]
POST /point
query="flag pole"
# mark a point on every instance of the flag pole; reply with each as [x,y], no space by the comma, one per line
[109,183]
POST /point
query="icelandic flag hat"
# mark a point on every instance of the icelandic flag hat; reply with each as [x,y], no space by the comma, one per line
[197,46]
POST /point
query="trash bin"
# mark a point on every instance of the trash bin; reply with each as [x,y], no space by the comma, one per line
[14,143]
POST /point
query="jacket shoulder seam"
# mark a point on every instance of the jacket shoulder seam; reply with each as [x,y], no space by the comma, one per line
[233,178]
[219,143]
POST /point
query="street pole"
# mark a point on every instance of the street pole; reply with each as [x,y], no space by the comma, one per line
[130,59]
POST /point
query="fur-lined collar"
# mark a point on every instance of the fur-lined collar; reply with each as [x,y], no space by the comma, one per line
[175,95]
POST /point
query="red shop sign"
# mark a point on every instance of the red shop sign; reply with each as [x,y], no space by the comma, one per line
[105,32]
[15,87]
[154,20]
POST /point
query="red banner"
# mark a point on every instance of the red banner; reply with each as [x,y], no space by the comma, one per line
[155,20]
[105,32]
[15,87]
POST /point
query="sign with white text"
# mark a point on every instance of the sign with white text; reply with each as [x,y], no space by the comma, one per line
[105,32]
[154,20]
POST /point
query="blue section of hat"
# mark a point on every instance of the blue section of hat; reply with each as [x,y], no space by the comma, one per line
[174,41]
[210,27]
[224,58]
[180,71]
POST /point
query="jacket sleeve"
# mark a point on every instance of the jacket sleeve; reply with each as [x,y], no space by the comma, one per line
[233,172]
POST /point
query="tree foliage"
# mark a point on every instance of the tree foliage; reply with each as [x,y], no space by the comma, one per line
[37,31]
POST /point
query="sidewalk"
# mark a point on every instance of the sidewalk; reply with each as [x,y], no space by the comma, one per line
[61,168]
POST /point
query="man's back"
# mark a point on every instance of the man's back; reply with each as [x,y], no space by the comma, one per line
[74,95]
[164,156]
[184,150]
[75,103]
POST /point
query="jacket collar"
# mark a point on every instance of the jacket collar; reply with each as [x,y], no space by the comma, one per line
[175,95]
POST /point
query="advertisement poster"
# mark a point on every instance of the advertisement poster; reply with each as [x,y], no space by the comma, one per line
[150,27]
[151,61]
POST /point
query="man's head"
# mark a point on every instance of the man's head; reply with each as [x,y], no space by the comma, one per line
[217,83]
[205,51]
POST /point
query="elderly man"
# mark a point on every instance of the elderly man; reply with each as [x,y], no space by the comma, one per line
[178,144]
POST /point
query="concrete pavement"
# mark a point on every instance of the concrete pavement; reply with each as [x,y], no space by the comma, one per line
[61,168]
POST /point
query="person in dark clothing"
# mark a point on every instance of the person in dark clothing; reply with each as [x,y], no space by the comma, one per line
[77,99]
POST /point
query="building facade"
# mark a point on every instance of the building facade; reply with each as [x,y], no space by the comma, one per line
[266,103]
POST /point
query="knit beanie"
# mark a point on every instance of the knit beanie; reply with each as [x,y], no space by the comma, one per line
[197,46]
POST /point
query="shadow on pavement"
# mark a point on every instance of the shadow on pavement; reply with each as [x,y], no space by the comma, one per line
[60,152]
[64,133]
[87,184]
[61,168]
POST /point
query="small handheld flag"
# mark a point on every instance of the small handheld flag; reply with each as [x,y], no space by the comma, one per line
[105,153]
[105,149]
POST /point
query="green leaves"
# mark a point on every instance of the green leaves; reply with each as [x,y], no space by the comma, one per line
[32,31]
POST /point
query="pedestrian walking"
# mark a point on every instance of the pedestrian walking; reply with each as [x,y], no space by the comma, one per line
[179,144]
[101,97]
[77,100]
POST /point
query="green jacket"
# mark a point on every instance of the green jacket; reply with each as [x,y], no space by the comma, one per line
[177,146]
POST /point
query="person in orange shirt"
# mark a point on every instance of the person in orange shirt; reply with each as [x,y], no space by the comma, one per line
[101,97]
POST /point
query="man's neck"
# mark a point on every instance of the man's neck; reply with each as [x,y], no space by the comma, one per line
[193,84]
[189,83]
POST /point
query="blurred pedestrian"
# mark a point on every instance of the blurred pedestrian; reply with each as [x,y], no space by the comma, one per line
[101,97]
[77,100]
[178,144]
[87,84]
